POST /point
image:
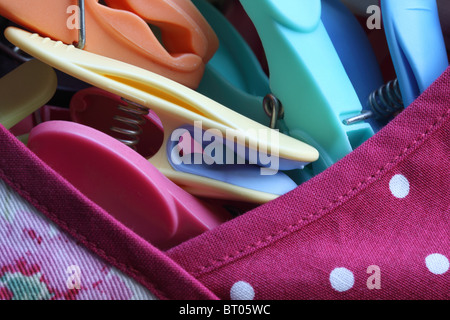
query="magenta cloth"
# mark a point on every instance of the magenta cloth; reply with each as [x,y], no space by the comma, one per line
[374,226]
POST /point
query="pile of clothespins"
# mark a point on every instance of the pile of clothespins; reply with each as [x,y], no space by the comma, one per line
[170,113]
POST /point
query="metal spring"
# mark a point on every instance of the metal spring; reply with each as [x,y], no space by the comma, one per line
[384,103]
[134,121]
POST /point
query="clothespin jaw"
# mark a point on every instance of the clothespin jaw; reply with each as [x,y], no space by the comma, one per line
[416,43]
[307,76]
[176,107]
[182,26]
[125,35]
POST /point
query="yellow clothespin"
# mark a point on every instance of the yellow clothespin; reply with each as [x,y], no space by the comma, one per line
[24,90]
[179,107]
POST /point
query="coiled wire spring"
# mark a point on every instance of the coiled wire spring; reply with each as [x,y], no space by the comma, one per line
[132,122]
[384,103]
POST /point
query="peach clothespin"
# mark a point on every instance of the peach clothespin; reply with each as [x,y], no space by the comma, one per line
[188,41]
[172,16]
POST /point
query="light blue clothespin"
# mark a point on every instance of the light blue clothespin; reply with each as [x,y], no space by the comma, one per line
[308,77]
[416,44]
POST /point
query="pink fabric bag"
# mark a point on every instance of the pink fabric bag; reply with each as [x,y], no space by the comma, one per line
[374,226]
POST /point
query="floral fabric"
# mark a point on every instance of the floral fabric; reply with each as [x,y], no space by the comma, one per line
[39,262]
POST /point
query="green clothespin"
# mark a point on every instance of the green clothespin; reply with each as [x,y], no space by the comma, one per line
[307,76]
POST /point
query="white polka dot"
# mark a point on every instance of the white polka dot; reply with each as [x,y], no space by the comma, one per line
[437,263]
[242,290]
[399,186]
[342,279]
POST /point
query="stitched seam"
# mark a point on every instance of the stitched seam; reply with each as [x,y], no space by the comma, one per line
[137,274]
[291,228]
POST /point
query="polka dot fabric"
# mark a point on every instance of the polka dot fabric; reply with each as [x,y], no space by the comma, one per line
[374,226]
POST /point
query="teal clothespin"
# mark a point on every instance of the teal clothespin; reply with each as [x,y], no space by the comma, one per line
[234,76]
[307,76]
[416,43]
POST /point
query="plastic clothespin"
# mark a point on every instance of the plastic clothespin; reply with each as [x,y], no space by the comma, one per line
[182,25]
[177,107]
[123,183]
[123,35]
[355,52]
[416,44]
[24,90]
[233,77]
[307,76]
[100,109]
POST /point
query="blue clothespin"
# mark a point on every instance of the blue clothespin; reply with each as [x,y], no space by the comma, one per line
[234,76]
[416,44]
[308,77]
